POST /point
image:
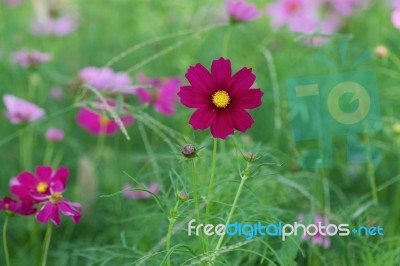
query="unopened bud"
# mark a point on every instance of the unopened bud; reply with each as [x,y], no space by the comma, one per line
[189,151]
[182,196]
[250,157]
[381,52]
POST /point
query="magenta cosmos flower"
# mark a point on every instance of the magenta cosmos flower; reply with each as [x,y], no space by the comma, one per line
[16,207]
[239,10]
[220,98]
[105,79]
[19,110]
[139,194]
[46,187]
[30,58]
[163,96]
[60,26]
[54,135]
[98,123]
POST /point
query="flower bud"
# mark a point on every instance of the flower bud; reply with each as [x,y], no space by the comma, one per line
[189,151]
[381,52]
[54,134]
[250,157]
[182,196]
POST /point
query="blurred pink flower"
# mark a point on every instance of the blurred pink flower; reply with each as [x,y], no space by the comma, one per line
[139,194]
[12,206]
[164,95]
[60,26]
[297,15]
[106,79]
[395,17]
[54,135]
[346,8]
[19,110]
[97,123]
[30,58]
[56,93]
[239,10]
[318,239]
[12,2]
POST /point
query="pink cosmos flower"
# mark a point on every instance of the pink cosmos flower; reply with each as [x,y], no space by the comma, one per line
[60,26]
[220,98]
[163,97]
[54,203]
[239,10]
[139,194]
[19,110]
[12,2]
[12,206]
[106,79]
[56,93]
[46,187]
[30,58]
[395,17]
[97,123]
[54,135]
[346,7]
[318,239]
[297,15]
[29,187]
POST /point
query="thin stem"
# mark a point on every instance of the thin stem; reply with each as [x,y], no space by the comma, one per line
[172,220]
[371,173]
[235,201]
[48,153]
[149,151]
[5,246]
[46,244]
[196,201]
[211,184]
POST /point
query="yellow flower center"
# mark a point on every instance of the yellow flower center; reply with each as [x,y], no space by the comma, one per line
[104,121]
[56,197]
[42,187]
[221,99]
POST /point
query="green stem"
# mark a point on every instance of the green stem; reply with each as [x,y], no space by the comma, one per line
[211,184]
[172,220]
[226,41]
[149,150]
[196,202]
[5,246]
[371,172]
[235,201]
[48,153]
[46,244]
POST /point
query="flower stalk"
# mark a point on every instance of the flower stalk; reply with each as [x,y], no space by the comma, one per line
[5,246]
[46,244]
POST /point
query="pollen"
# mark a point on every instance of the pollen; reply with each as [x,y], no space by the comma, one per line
[56,197]
[42,187]
[221,99]
[104,121]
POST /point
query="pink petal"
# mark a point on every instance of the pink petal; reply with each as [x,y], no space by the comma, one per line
[70,209]
[242,80]
[200,78]
[222,125]
[396,18]
[202,118]
[193,98]
[46,212]
[89,120]
[43,173]
[57,186]
[241,119]
[247,99]
[61,175]
[144,95]
[27,179]
[221,73]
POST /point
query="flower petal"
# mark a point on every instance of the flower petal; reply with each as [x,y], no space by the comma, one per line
[199,77]
[222,125]
[193,98]
[89,120]
[43,173]
[242,80]
[70,209]
[202,118]
[241,119]
[27,179]
[221,73]
[44,214]
[247,99]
